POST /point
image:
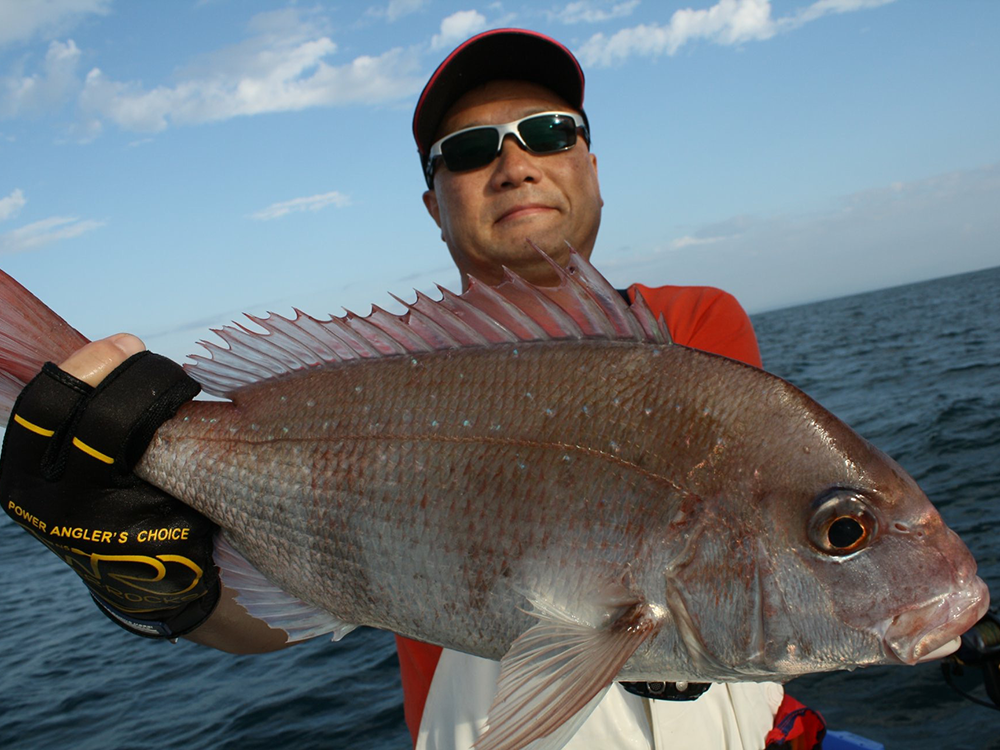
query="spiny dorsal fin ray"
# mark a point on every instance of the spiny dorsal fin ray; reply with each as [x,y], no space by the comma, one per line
[581,305]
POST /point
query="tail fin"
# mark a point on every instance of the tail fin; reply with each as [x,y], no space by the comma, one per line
[30,335]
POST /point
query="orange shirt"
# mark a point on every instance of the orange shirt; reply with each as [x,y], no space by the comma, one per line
[704,318]
[697,316]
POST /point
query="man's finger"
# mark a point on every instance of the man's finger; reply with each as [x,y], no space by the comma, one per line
[93,362]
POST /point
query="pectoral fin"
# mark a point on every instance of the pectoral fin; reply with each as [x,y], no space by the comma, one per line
[556,673]
[264,600]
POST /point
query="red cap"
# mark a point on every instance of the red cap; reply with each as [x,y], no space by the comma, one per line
[497,54]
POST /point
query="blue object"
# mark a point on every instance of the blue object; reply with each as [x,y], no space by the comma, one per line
[848,741]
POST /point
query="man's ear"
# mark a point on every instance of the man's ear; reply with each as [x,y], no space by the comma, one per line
[431,204]
[593,162]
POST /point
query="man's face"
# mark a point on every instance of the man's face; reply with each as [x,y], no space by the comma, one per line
[488,215]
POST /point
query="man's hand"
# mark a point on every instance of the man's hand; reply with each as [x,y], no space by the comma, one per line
[66,477]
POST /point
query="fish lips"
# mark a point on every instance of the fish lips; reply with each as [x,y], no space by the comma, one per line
[933,629]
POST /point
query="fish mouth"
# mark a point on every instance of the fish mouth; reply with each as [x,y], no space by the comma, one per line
[933,630]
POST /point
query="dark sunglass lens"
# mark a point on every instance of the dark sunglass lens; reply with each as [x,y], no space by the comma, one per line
[469,150]
[548,133]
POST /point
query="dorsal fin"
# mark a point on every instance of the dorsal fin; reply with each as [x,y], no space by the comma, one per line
[582,305]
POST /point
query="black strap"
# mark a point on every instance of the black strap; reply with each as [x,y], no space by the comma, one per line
[667,691]
[146,390]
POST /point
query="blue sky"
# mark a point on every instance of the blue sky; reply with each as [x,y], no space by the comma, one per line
[165,166]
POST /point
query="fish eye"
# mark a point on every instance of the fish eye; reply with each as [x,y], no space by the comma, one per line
[842,523]
[845,532]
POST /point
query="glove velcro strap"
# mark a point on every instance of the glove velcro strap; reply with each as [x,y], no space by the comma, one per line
[167,624]
[114,430]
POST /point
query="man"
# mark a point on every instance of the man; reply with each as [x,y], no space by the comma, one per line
[504,143]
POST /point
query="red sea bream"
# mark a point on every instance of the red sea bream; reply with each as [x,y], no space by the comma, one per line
[538,476]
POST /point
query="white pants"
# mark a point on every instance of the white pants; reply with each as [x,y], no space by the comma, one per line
[734,716]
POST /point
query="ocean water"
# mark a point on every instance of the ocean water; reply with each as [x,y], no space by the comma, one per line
[916,369]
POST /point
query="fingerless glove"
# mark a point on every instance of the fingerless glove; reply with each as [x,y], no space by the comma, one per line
[66,478]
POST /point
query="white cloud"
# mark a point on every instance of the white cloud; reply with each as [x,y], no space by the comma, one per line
[301,80]
[397,9]
[21,20]
[893,234]
[458,27]
[44,232]
[588,11]
[12,204]
[58,82]
[311,203]
[728,22]
[822,8]
[283,65]
[711,234]
[690,241]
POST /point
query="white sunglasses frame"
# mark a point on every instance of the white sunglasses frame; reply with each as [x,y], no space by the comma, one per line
[504,129]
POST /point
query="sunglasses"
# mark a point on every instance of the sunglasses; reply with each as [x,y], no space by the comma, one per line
[471,148]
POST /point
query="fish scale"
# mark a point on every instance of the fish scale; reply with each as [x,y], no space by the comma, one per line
[390,473]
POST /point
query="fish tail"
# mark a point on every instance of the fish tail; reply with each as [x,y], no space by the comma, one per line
[31,334]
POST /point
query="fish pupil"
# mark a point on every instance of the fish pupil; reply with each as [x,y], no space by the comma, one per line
[845,532]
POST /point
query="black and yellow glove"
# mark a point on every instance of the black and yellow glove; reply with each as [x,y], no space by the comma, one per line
[66,477]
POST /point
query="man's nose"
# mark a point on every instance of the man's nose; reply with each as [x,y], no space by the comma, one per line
[514,165]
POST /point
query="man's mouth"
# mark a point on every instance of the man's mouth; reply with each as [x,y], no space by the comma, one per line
[523,211]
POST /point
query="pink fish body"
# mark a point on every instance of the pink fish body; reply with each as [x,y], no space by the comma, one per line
[538,476]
